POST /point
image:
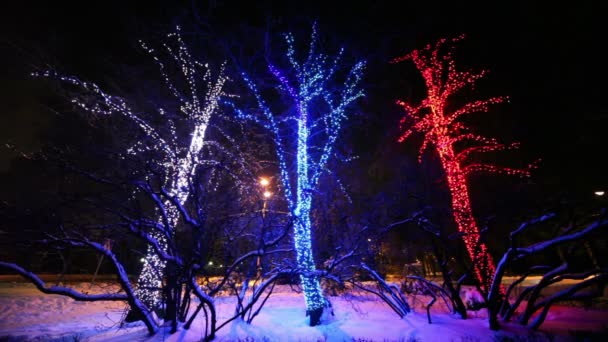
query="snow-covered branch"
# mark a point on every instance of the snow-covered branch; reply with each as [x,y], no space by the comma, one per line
[601,223]
[61,290]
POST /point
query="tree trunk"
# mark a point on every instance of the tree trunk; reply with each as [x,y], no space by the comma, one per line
[459,306]
[311,286]
[483,265]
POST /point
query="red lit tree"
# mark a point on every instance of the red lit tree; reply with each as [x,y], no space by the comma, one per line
[454,143]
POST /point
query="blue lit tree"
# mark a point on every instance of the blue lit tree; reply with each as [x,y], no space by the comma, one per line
[304,121]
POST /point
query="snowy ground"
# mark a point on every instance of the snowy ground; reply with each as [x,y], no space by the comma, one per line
[28,315]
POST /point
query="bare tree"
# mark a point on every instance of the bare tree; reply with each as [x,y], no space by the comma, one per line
[590,281]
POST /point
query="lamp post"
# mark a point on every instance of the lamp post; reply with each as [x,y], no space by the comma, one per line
[266,194]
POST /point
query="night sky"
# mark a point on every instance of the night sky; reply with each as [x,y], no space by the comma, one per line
[547,58]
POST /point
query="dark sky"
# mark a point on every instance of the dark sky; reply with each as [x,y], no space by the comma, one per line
[546,58]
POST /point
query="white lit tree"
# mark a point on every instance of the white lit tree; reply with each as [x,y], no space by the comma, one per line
[196,91]
[304,120]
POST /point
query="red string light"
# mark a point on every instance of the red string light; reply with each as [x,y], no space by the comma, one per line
[442,130]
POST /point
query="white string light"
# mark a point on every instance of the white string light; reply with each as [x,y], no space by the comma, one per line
[198,101]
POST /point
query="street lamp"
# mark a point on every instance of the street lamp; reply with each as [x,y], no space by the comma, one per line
[599,193]
[266,194]
[264,181]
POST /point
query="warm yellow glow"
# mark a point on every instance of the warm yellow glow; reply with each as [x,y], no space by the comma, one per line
[264,181]
[267,194]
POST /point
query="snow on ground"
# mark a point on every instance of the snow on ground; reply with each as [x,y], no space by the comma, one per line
[28,315]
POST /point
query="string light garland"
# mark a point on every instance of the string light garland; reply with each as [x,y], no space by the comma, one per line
[199,110]
[443,131]
[320,107]
[198,100]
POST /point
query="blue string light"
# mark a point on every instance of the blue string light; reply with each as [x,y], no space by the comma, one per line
[320,102]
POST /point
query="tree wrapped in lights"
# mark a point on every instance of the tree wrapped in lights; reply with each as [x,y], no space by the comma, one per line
[197,102]
[444,131]
[196,91]
[305,124]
